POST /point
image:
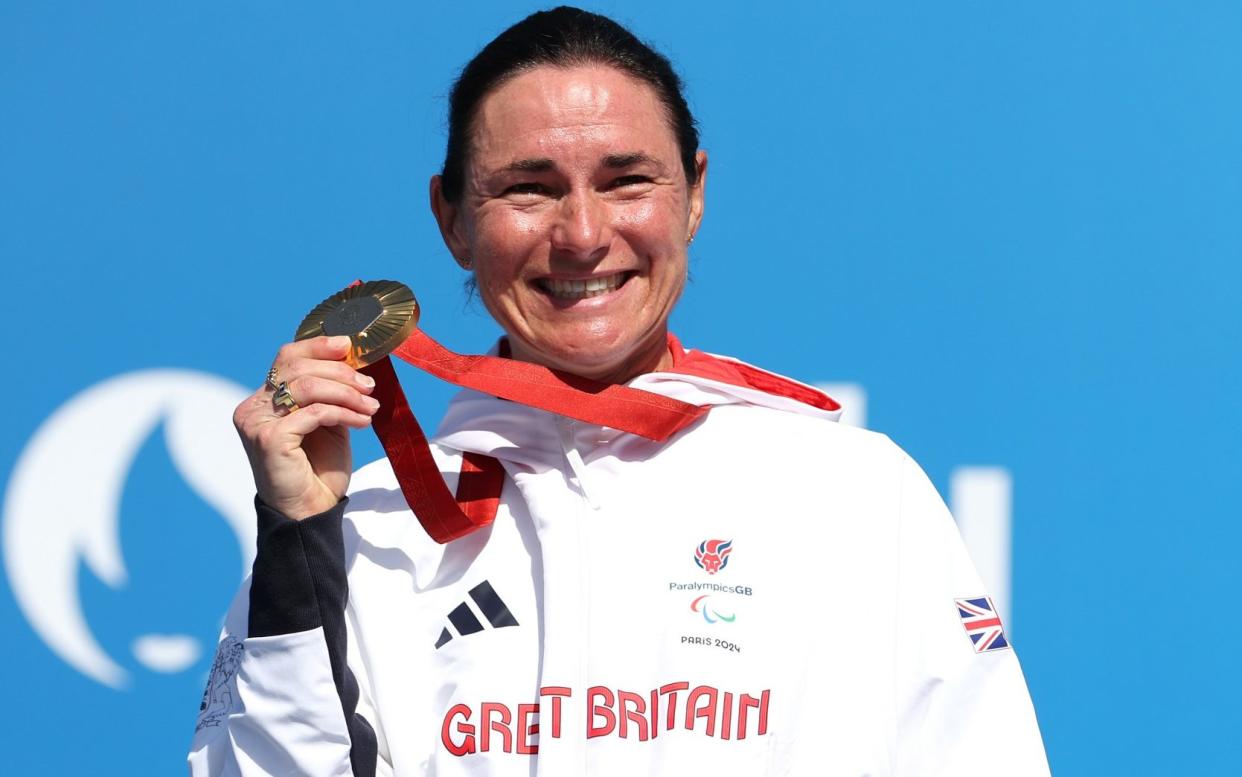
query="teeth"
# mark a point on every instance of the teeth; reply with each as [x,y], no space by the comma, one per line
[592,287]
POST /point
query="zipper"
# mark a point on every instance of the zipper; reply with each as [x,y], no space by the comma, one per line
[579,478]
[577,466]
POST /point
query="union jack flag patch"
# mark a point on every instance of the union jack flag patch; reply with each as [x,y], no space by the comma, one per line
[982,624]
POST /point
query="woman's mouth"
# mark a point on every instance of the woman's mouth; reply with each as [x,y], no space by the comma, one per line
[584,288]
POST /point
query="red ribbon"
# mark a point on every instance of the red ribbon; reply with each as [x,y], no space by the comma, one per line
[446,516]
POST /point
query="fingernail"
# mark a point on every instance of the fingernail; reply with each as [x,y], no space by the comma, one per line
[370,403]
[338,342]
[364,380]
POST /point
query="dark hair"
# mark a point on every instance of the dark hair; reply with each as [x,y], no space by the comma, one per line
[563,37]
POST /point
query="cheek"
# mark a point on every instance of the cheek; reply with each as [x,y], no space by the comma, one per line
[498,291]
[499,286]
[520,225]
[504,243]
[655,233]
[648,218]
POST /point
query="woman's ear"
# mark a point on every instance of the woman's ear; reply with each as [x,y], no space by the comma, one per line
[696,195]
[451,231]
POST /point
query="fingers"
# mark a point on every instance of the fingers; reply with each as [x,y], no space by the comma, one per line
[313,372]
[312,417]
[313,380]
[283,435]
[337,371]
[331,348]
[304,367]
[310,390]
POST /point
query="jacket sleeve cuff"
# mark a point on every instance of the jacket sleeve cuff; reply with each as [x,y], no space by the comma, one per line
[299,571]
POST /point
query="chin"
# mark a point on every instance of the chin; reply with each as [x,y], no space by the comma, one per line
[586,360]
[589,356]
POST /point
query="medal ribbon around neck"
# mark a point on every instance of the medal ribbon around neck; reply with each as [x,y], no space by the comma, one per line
[446,516]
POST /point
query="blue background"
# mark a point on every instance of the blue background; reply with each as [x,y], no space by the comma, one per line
[1016,226]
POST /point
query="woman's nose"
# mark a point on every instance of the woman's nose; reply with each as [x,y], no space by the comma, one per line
[583,227]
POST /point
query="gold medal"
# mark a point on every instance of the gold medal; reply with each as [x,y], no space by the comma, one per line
[377,316]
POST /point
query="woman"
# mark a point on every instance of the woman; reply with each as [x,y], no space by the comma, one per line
[766,592]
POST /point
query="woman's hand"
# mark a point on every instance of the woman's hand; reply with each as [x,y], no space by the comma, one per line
[301,459]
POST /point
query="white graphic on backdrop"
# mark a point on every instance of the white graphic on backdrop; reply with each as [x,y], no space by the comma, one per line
[979,498]
[982,504]
[63,502]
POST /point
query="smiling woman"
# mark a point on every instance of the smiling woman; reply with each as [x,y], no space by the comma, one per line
[635,601]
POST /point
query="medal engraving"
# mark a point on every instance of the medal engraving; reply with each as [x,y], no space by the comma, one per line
[353,316]
[377,316]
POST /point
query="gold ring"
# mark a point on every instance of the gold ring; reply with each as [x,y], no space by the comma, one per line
[282,398]
[271,381]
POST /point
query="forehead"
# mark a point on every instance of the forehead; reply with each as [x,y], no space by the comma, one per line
[571,112]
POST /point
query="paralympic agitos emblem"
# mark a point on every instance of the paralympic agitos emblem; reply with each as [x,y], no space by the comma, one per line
[713,555]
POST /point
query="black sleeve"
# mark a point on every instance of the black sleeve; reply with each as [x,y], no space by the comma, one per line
[299,583]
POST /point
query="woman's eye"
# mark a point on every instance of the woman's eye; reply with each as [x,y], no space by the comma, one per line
[629,180]
[528,187]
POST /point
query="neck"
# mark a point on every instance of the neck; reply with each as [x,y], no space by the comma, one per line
[652,356]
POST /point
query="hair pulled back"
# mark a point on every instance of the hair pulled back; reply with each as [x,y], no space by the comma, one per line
[563,37]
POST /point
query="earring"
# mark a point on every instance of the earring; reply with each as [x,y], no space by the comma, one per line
[690,239]
[466,263]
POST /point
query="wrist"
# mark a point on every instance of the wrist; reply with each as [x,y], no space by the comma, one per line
[301,508]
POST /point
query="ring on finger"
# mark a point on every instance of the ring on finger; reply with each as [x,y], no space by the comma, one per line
[282,398]
[273,381]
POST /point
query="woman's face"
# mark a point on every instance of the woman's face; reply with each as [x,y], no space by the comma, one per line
[575,216]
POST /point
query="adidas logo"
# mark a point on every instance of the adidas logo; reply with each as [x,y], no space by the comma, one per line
[490,605]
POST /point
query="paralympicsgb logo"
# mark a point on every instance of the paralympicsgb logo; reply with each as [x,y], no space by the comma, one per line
[62,505]
[713,555]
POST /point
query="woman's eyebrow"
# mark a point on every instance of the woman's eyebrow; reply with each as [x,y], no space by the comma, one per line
[611,161]
[533,165]
[617,161]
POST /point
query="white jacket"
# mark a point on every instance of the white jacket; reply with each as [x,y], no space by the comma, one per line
[768,593]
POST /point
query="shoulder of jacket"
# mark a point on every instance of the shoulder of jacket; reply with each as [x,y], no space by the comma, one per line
[809,430]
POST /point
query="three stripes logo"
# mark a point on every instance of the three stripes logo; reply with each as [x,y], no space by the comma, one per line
[489,605]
